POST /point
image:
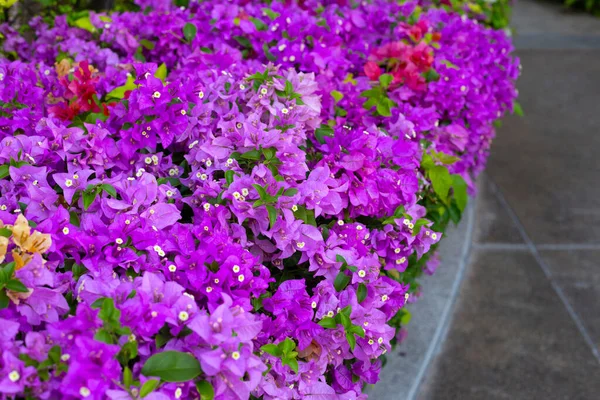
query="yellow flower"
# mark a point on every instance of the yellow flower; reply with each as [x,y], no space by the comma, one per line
[21,231]
[3,247]
[38,243]
[63,67]
[28,243]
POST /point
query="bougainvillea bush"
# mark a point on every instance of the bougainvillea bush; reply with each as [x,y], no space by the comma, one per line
[231,200]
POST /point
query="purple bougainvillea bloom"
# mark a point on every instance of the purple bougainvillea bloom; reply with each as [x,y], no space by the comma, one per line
[249,185]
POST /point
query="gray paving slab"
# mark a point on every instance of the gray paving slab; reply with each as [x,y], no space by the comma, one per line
[494,225]
[511,338]
[577,272]
[546,17]
[405,368]
[546,164]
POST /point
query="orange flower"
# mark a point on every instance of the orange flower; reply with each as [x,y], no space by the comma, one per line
[20,259]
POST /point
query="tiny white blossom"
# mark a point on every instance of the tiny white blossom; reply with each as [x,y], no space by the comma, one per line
[183,316]
[14,376]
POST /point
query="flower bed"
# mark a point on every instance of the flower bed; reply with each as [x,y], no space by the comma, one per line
[232,201]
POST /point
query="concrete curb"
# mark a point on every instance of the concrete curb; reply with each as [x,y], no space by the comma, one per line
[407,365]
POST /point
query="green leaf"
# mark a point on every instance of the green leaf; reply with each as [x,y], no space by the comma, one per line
[268,53]
[85,23]
[441,181]
[351,340]
[104,336]
[406,317]
[344,319]
[460,192]
[129,351]
[161,339]
[290,192]
[149,387]
[341,281]
[109,313]
[110,189]
[361,292]
[147,44]
[357,330]
[262,193]
[5,232]
[321,132]
[272,349]
[205,390]
[289,88]
[444,158]
[287,346]
[161,72]
[400,211]
[517,109]
[189,32]
[172,366]
[243,41]
[272,215]
[328,322]
[16,286]
[229,177]
[269,153]
[9,269]
[292,363]
[127,377]
[419,224]
[93,118]
[251,155]
[4,300]
[98,302]
[449,64]
[3,171]
[383,108]
[338,96]
[385,80]
[119,92]
[54,354]
[88,198]
[259,25]
[432,75]
[74,218]
[270,13]
[427,162]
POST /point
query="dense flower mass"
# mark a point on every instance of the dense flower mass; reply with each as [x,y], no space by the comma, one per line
[231,200]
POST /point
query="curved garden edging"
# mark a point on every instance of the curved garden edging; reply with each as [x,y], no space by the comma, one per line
[407,365]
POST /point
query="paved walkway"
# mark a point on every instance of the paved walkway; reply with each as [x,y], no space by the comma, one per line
[526,324]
